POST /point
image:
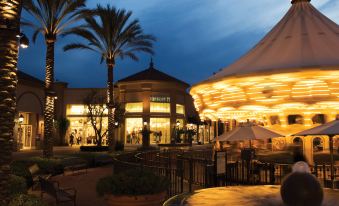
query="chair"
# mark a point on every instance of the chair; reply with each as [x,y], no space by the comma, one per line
[35,170]
[61,195]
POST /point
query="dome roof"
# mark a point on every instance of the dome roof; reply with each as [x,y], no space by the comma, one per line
[304,38]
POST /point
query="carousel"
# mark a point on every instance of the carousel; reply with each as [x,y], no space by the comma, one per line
[288,82]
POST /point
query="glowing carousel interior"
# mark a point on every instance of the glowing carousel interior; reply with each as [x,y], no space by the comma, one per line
[289,81]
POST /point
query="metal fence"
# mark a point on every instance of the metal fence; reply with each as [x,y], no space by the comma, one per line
[191,170]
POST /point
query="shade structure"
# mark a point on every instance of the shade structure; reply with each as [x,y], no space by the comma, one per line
[330,129]
[249,133]
[304,38]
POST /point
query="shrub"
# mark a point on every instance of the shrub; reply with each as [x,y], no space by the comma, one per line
[94,148]
[119,146]
[149,148]
[26,200]
[48,166]
[93,158]
[132,182]
[20,168]
[17,185]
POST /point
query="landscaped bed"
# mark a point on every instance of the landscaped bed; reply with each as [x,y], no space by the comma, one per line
[57,165]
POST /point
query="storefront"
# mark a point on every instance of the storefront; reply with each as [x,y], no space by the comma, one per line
[81,131]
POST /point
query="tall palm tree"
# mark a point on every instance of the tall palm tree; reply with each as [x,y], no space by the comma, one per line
[51,19]
[9,28]
[109,32]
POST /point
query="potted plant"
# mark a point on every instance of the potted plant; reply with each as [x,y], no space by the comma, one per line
[133,187]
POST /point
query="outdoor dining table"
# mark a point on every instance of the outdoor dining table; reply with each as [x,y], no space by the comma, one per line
[265,195]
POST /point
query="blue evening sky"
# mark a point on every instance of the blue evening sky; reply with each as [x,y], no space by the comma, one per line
[194,38]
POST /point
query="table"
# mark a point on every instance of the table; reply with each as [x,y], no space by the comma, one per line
[267,195]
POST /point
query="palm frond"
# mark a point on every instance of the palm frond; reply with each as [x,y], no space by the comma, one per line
[77,46]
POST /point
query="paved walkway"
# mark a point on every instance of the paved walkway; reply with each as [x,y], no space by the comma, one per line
[85,184]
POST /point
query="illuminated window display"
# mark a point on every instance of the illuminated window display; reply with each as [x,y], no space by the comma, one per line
[158,107]
[160,128]
[133,130]
[134,107]
[180,109]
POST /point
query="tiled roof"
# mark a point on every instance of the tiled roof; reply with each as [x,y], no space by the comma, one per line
[152,74]
[22,76]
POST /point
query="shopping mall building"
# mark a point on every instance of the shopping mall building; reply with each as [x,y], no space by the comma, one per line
[149,97]
[288,82]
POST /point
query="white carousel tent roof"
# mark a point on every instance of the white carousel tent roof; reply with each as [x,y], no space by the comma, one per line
[304,38]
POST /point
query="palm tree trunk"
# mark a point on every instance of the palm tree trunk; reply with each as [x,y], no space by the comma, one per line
[110,133]
[49,101]
[10,12]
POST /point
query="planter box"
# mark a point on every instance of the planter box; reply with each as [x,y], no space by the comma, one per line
[139,200]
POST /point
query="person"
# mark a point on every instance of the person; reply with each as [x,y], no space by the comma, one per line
[160,134]
[71,139]
[78,140]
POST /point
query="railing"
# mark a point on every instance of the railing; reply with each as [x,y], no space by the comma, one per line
[191,170]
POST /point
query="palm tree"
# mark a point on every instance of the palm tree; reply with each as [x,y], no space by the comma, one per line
[109,32]
[51,19]
[9,27]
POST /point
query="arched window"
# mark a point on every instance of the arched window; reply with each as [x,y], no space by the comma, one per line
[297,141]
[295,119]
[319,119]
[317,144]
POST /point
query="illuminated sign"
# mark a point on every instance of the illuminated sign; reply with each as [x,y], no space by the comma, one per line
[160,99]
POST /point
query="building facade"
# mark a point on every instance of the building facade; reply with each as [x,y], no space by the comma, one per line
[288,81]
[150,98]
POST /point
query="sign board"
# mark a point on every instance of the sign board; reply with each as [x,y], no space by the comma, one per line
[160,99]
[221,162]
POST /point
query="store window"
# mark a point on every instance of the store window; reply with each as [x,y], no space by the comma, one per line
[295,119]
[160,107]
[160,128]
[180,109]
[133,130]
[134,107]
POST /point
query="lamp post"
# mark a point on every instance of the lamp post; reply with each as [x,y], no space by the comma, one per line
[21,120]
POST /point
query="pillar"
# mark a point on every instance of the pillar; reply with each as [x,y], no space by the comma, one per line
[308,149]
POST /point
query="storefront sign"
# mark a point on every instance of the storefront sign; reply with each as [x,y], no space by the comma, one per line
[160,99]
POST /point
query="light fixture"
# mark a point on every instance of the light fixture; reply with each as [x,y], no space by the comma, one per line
[145,123]
[178,123]
[23,40]
[21,119]
[116,123]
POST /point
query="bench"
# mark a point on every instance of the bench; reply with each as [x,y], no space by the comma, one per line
[75,165]
[35,170]
[61,195]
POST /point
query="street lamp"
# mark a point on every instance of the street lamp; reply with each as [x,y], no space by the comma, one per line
[23,40]
[21,119]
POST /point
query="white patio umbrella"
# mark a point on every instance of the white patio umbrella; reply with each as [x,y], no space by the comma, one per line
[330,129]
[248,133]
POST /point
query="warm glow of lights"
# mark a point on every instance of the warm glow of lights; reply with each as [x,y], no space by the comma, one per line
[303,93]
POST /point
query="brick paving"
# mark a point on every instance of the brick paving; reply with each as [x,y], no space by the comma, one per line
[85,184]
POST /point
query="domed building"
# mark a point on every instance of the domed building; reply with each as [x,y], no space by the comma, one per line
[289,81]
